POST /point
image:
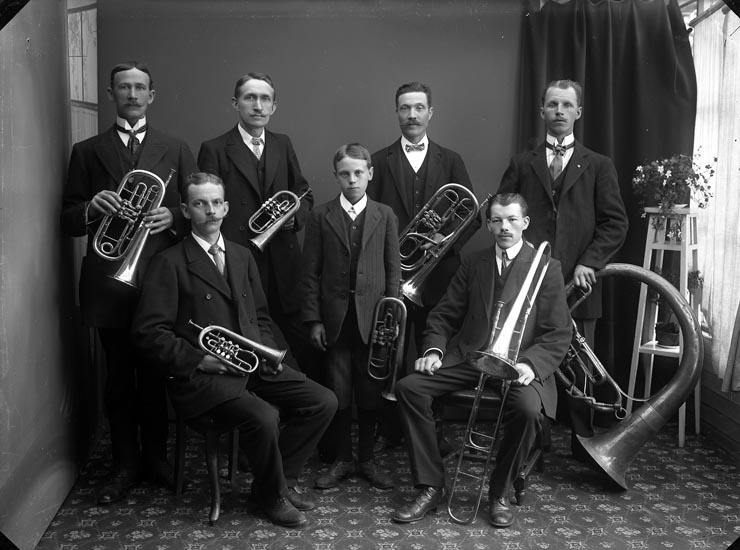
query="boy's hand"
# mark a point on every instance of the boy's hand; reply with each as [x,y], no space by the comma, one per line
[317,334]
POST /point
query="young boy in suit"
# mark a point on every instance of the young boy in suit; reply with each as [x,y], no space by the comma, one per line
[350,261]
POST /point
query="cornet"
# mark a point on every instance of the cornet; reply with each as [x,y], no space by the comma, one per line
[387,343]
[453,207]
[235,350]
[272,215]
[124,234]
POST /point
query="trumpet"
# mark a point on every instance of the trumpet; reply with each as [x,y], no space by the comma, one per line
[387,343]
[454,207]
[235,350]
[495,361]
[124,233]
[272,215]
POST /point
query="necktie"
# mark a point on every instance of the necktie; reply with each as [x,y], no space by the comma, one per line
[215,251]
[133,141]
[352,213]
[556,166]
[411,147]
[504,261]
[257,147]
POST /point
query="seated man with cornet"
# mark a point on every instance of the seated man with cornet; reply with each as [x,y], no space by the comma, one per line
[489,299]
[207,281]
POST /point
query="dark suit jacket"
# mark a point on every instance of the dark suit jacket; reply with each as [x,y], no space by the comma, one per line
[589,224]
[95,165]
[462,321]
[443,166]
[182,283]
[227,157]
[326,265]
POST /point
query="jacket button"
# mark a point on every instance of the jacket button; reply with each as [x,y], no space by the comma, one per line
[244,294]
[244,201]
[208,296]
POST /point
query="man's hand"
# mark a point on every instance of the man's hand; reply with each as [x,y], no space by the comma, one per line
[159,219]
[526,374]
[429,363]
[288,226]
[268,370]
[211,365]
[104,203]
[437,238]
[317,334]
[584,277]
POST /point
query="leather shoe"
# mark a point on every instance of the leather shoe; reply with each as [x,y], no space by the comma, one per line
[499,513]
[380,480]
[384,444]
[282,512]
[117,486]
[427,500]
[301,498]
[341,469]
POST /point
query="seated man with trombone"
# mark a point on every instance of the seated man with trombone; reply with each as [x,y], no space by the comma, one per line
[489,299]
[209,281]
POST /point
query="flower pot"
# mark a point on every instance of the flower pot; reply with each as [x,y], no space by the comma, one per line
[666,338]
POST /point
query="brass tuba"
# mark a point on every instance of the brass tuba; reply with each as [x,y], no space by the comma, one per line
[454,207]
[495,361]
[272,215]
[235,350]
[123,235]
[615,449]
[387,340]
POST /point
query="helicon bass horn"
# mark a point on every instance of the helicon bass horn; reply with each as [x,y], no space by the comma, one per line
[122,235]
[272,215]
[615,449]
[452,208]
[235,350]
[387,339]
[496,360]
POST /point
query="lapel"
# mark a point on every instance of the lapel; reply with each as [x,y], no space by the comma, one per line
[105,149]
[538,162]
[517,273]
[237,152]
[434,170]
[395,167]
[335,219]
[576,165]
[271,161]
[200,265]
[372,219]
[152,150]
[485,275]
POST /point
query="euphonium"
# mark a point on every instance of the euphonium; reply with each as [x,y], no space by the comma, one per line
[615,449]
[124,234]
[453,207]
[272,215]
[387,343]
[235,350]
[496,361]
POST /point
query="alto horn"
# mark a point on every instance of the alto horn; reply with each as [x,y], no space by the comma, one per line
[387,340]
[615,449]
[235,350]
[495,361]
[450,210]
[272,215]
[124,233]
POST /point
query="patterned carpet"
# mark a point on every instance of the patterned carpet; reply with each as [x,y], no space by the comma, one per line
[678,498]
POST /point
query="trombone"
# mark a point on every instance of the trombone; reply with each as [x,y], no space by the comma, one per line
[387,340]
[495,361]
[272,215]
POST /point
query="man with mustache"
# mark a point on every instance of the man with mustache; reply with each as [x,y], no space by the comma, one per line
[576,205]
[134,393]
[407,174]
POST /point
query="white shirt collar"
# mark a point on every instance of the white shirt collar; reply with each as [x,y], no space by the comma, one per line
[511,252]
[359,206]
[247,137]
[424,140]
[206,246]
[567,140]
[123,123]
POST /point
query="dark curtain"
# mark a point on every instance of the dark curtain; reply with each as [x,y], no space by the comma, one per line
[634,61]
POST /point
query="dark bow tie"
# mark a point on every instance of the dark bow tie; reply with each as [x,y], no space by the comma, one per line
[411,147]
[559,150]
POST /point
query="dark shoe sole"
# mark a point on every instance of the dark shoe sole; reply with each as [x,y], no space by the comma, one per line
[412,520]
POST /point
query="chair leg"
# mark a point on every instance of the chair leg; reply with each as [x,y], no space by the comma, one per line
[212,465]
[179,455]
[233,456]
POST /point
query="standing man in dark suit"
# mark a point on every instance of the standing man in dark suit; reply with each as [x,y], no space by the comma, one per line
[212,281]
[407,174]
[134,393]
[254,164]
[574,199]
[461,323]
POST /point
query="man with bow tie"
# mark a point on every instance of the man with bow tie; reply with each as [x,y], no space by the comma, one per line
[575,204]
[134,393]
[407,174]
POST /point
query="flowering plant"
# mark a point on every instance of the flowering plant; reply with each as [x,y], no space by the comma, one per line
[673,180]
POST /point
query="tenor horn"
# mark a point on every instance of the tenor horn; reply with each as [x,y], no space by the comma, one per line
[235,350]
[451,209]
[387,340]
[495,361]
[123,234]
[615,449]
[272,215]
